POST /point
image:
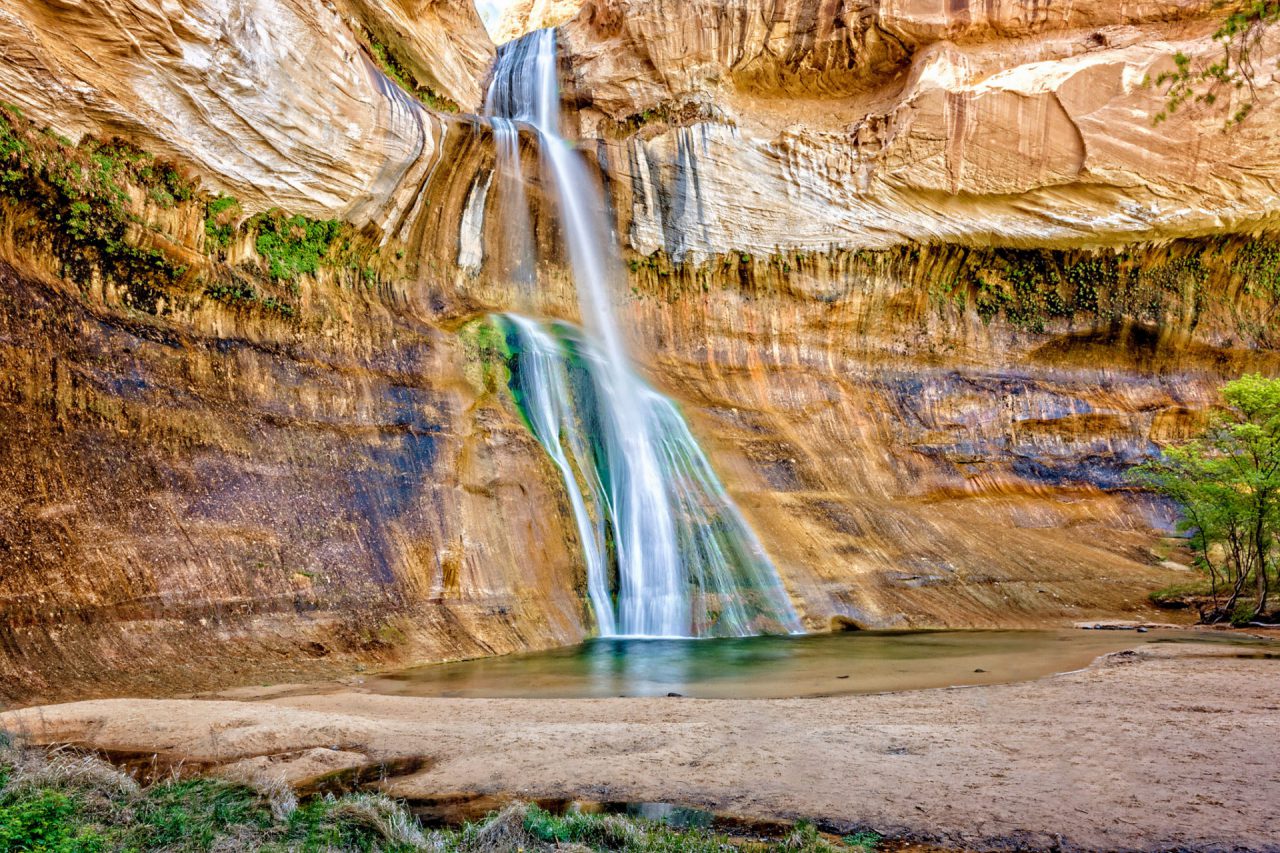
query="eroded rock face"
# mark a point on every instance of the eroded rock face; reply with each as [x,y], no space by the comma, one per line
[189,500]
[274,101]
[906,461]
[811,125]
[525,16]
[350,484]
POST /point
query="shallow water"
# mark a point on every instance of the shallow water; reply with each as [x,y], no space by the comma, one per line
[777,667]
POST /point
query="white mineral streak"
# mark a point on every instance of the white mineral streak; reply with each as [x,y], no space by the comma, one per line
[646,215]
[471,229]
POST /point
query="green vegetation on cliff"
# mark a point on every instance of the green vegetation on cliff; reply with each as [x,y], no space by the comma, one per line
[393,68]
[77,200]
[111,212]
[1030,288]
[293,246]
[1232,278]
[63,801]
[220,217]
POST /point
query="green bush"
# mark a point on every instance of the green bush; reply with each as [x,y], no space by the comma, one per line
[219,221]
[295,245]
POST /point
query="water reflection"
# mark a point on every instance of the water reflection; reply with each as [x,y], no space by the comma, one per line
[774,666]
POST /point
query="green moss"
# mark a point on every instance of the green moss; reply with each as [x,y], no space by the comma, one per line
[241,294]
[167,187]
[220,214]
[486,349]
[81,205]
[1033,288]
[390,66]
[1258,265]
[295,245]
[867,840]
[90,204]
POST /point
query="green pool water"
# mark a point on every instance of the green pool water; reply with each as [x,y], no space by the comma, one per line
[783,666]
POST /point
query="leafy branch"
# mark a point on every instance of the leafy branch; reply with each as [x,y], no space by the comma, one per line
[1240,36]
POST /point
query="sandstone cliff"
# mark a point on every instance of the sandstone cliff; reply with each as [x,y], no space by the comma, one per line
[525,16]
[809,125]
[924,278]
[278,102]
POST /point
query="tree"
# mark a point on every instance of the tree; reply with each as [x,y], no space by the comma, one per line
[1227,483]
[1233,73]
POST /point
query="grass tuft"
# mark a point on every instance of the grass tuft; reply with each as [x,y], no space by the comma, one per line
[379,815]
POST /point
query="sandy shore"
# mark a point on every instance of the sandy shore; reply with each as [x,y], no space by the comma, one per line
[1164,747]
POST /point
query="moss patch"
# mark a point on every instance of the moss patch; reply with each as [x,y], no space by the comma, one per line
[220,217]
[293,246]
[486,352]
[97,210]
[1030,288]
[1234,278]
[393,68]
[79,201]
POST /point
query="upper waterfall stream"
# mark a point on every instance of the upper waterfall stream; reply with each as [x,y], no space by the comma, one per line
[667,552]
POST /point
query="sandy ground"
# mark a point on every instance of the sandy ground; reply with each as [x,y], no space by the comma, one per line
[1164,747]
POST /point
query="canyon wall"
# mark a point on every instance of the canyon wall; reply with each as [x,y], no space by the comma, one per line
[925,280]
[277,102]
[757,126]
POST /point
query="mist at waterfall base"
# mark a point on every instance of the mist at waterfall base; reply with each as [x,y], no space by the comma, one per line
[667,552]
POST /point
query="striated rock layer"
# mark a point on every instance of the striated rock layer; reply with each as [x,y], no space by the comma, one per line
[907,462]
[278,102]
[198,501]
[745,125]
[910,269]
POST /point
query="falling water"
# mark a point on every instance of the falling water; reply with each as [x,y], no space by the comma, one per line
[645,499]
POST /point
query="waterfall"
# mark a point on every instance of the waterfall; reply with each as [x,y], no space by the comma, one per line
[668,553]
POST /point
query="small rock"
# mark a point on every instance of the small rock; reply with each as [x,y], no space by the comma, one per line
[979,670]
[842,676]
[677,695]
[1142,629]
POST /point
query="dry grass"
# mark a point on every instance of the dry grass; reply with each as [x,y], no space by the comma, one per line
[502,833]
[64,800]
[63,768]
[381,815]
[272,789]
